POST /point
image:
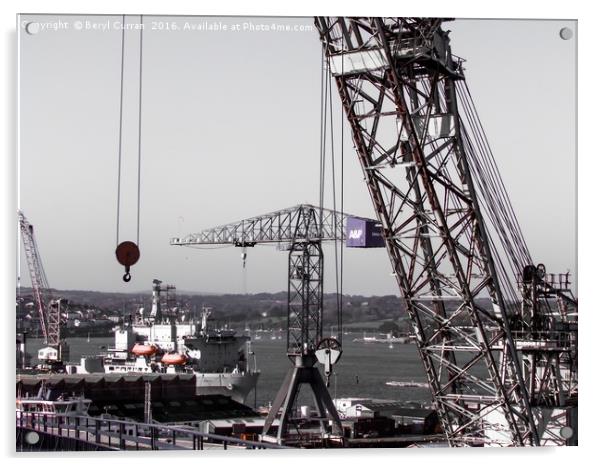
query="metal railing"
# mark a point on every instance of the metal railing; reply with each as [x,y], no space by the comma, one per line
[118,434]
[561,338]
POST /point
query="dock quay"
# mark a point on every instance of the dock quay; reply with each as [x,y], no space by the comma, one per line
[162,412]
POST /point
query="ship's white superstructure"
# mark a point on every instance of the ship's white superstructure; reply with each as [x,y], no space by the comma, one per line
[220,359]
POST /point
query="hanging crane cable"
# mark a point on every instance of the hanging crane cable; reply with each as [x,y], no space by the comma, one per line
[340,310]
[327,138]
[322,143]
[128,252]
[120,131]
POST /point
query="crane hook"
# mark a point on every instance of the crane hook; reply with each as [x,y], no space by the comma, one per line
[244,256]
[127,255]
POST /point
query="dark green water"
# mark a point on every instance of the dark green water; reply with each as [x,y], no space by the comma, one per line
[362,371]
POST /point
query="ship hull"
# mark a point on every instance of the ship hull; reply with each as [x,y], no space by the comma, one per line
[236,386]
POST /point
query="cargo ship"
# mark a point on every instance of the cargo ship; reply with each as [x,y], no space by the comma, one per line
[219,358]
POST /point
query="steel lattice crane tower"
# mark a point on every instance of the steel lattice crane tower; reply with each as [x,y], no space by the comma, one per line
[49,309]
[301,229]
[429,175]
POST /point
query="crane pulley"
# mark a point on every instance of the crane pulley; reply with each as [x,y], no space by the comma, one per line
[127,255]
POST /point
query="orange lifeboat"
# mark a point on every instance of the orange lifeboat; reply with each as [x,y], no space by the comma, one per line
[173,359]
[143,350]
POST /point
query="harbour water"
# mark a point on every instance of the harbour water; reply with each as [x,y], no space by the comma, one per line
[362,371]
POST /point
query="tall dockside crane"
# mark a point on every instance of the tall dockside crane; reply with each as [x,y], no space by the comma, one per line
[49,309]
[500,359]
[300,230]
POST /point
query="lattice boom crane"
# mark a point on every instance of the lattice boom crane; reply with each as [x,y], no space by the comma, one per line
[303,221]
[500,372]
[302,229]
[49,309]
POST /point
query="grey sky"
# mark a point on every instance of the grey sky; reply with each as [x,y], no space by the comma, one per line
[230,129]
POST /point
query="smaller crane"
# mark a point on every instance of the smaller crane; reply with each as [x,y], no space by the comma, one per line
[300,230]
[49,309]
